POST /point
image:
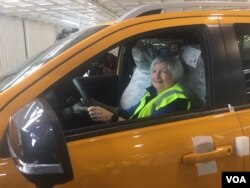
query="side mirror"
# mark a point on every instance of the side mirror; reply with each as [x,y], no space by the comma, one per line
[37,144]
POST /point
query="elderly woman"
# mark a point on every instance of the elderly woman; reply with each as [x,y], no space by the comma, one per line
[163,97]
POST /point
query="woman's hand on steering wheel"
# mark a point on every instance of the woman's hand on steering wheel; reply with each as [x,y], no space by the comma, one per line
[98,113]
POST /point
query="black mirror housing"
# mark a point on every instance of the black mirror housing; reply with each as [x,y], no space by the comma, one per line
[36,141]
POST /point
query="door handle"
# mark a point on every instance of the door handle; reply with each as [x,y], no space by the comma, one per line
[218,153]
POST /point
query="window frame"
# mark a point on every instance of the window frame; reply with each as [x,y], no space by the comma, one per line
[237,80]
[113,127]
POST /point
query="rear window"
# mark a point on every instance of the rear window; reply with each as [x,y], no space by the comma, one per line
[242,32]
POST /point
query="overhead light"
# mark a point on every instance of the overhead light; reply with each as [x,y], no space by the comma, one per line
[26,5]
[22,10]
[45,4]
[40,9]
[58,8]
[70,22]
[12,1]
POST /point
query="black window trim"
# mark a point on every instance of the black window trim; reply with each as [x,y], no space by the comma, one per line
[219,73]
[111,128]
[236,76]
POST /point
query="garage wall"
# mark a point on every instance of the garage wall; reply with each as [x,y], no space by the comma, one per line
[12,48]
[38,36]
[22,39]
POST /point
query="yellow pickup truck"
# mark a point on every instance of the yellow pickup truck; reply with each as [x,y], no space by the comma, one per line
[47,138]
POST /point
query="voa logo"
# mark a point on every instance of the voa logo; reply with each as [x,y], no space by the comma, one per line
[236,179]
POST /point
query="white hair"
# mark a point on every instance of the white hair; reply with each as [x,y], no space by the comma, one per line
[174,66]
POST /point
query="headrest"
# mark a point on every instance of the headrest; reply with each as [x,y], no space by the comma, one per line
[194,78]
[143,56]
[190,55]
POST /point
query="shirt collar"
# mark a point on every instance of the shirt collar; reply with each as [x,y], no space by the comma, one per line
[152,91]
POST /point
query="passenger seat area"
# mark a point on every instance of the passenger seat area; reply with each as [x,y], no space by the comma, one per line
[143,56]
[194,79]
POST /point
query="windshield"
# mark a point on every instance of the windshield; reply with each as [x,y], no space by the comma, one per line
[17,73]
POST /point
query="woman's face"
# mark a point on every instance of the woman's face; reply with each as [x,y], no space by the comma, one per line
[161,78]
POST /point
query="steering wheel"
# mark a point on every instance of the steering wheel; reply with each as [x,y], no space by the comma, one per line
[86,99]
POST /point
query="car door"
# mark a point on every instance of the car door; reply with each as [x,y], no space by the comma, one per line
[155,152]
[239,33]
[154,155]
[164,152]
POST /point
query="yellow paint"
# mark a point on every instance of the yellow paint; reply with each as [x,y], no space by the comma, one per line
[144,157]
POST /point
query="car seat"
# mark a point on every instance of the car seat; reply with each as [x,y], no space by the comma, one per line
[143,56]
[194,79]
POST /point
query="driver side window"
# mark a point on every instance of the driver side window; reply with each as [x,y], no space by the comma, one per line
[120,80]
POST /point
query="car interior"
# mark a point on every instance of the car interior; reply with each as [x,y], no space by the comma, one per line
[126,76]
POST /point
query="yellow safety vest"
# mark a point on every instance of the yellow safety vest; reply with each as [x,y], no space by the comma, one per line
[161,100]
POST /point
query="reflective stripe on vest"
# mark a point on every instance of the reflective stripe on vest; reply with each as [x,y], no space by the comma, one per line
[163,99]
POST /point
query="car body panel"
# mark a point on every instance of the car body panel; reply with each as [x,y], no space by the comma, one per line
[237,76]
[10,177]
[149,156]
[146,157]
